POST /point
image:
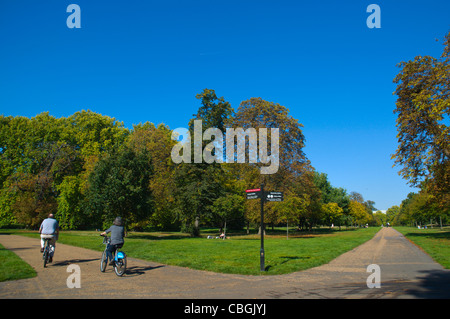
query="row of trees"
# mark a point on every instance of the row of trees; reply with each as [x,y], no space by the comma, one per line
[88,168]
[423,124]
[418,209]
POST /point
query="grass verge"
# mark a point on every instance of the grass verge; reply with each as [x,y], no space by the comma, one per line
[12,267]
[434,241]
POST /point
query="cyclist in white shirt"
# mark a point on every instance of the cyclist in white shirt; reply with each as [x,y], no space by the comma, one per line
[49,228]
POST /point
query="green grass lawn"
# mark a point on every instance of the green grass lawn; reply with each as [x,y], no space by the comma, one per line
[238,255]
[434,241]
[12,267]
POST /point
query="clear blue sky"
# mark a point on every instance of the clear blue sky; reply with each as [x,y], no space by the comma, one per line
[142,61]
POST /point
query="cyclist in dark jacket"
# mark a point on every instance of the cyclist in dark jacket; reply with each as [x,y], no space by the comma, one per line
[117,234]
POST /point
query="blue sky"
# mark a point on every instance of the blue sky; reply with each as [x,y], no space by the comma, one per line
[141,61]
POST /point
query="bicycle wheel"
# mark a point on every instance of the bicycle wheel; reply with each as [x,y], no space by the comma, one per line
[103,261]
[120,266]
[45,255]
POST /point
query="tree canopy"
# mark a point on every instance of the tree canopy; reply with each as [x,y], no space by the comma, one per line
[88,168]
[423,152]
[423,110]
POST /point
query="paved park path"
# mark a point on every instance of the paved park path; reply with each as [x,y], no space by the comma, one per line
[406,272]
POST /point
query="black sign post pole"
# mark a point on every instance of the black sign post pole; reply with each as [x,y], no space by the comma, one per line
[270,197]
[262,229]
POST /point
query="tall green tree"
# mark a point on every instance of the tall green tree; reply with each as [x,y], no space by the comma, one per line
[257,114]
[423,110]
[93,135]
[45,163]
[229,208]
[156,140]
[421,208]
[118,186]
[35,160]
[379,218]
[332,213]
[391,214]
[198,185]
[332,194]
[368,204]
[358,213]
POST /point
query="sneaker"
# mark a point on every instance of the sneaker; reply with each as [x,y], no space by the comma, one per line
[42,250]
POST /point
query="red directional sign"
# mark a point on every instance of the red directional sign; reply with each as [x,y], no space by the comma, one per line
[253,193]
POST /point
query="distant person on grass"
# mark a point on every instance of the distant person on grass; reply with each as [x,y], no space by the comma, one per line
[49,229]
[117,234]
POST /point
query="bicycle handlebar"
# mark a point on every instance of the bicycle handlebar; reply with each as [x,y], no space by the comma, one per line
[106,239]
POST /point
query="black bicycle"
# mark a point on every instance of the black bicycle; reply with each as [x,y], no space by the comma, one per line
[119,258]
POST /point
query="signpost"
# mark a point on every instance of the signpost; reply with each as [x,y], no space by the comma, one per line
[261,252]
[253,193]
[274,196]
[263,196]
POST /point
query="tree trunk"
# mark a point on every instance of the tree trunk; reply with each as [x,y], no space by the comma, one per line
[196,230]
[287,229]
[259,231]
[225,230]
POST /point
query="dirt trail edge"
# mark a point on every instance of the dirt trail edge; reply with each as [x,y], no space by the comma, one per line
[405,272]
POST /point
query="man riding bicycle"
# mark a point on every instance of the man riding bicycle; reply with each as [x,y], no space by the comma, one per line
[49,229]
[117,233]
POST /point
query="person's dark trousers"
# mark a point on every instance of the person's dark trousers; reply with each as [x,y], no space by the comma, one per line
[111,250]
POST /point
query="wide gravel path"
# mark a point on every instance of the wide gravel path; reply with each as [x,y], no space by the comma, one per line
[406,272]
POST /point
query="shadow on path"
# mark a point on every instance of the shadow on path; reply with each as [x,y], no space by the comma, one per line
[138,270]
[434,284]
[73,261]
